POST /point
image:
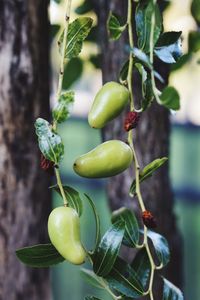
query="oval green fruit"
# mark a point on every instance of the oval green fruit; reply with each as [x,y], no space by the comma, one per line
[64,233]
[108,104]
[106,160]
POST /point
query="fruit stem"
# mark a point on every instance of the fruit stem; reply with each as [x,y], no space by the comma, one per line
[57,172]
[64,45]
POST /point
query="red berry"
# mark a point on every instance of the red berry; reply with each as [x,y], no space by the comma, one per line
[148,219]
[131,120]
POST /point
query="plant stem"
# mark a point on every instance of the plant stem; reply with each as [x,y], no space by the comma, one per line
[130,139]
[57,172]
[59,89]
[64,44]
[130,68]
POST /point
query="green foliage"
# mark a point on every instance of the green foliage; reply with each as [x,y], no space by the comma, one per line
[131,235]
[161,247]
[91,298]
[124,279]
[114,27]
[92,278]
[62,110]
[84,8]
[39,256]
[143,18]
[97,221]
[73,197]
[142,266]
[170,98]
[50,143]
[171,292]
[77,33]
[108,249]
[195,9]
[168,48]
[147,172]
[73,71]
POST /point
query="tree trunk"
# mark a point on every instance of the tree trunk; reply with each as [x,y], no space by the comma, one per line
[24,93]
[151,140]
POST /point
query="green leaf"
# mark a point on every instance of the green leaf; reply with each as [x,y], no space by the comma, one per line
[161,247]
[195,9]
[168,48]
[73,197]
[54,29]
[143,18]
[194,41]
[142,266]
[62,110]
[131,235]
[170,98]
[97,221]
[114,26]
[84,8]
[124,72]
[108,249]
[124,279]
[147,172]
[77,33]
[91,298]
[141,57]
[92,278]
[171,292]
[50,143]
[39,256]
[181,62]
[73,71]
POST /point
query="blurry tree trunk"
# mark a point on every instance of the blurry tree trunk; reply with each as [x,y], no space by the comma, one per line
[24,92]
[151,140]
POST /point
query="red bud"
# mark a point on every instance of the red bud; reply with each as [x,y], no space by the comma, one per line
[131,120]
[148,219]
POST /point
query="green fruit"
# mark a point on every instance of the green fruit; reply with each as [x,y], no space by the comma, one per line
[64,233]
[108,104]
[107,159]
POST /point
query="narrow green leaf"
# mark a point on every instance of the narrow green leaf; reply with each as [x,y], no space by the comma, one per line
[91,298]
[92,278]
[194,41]
[141,57]
[131,235]
[54,29]
[39,256]
[171,292]
[168,48]
[62,110]
[195,9]
[108,249]
[143,18]
[114,26]
[161,247]
[77,33]
[124,72]
[84,8]
[73,197]
[73,71]
[124,279]
[142,266]
[97,221]
[50,143]
[147,172]
[170,98]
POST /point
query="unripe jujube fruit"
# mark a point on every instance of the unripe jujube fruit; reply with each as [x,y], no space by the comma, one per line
[64,233]
[107,159]
[108,104]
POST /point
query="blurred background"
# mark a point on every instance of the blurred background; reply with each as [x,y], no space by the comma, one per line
[86,78]
[24,96]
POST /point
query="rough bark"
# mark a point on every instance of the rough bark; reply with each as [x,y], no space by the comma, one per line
[152,140]
[24,92]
